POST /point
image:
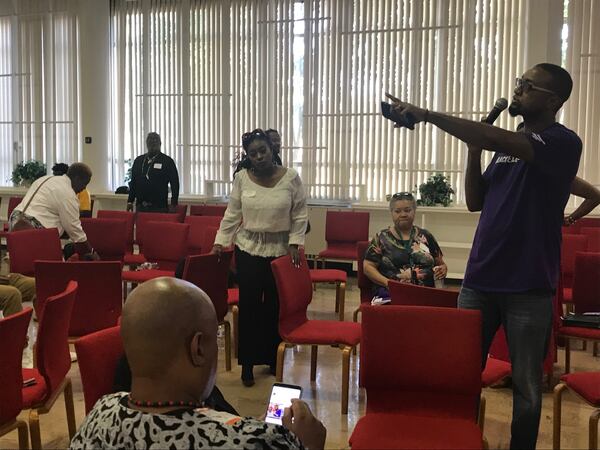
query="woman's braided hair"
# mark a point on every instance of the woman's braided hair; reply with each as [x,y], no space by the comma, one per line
[243,161]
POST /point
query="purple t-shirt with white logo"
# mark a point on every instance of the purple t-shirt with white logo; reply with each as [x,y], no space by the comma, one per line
[517,243]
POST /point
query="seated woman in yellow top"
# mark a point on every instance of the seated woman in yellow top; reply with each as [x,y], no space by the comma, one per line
[85,203]
[403,252]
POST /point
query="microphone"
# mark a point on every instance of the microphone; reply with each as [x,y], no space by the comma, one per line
[500,105]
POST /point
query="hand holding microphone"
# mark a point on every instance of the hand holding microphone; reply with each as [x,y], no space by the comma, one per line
[500,105]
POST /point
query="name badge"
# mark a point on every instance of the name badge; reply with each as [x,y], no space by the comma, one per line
[157,165]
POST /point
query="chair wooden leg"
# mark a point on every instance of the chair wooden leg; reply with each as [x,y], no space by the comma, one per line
[235,312]
[23,435]
[280,358]
[345,377]
[595,350]
[227,327]
[556,419]
[340,297]
[594,429]
[337,299]
[313,362]
[355,314]
[584,346]
[34,429]
[481,416]
[567,354]
[70,408]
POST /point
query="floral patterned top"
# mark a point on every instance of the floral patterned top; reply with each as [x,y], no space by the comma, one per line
[391,255]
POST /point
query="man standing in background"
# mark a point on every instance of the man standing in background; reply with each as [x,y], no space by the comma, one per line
[151,175]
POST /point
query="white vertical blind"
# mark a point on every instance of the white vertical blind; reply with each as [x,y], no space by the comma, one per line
[38,83]
[202,72]
[582,111]
[454,56]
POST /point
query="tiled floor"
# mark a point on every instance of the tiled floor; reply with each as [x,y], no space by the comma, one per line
[324,394]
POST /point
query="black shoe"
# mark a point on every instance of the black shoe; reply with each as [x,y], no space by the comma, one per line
[247,376]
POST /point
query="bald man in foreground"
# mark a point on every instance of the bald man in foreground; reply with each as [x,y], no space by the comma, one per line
[173,357]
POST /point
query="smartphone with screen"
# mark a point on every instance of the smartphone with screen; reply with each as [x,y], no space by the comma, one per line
[281,398]
[386,111]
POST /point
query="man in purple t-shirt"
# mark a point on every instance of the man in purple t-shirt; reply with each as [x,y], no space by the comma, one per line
[513,268]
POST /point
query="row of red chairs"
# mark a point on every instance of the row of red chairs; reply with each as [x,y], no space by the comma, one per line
[52,364]
[440,392]
[584,239]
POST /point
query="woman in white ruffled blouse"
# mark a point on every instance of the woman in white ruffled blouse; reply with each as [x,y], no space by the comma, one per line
[266,218]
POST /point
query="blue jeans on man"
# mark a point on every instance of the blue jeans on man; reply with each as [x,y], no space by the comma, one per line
[527,321]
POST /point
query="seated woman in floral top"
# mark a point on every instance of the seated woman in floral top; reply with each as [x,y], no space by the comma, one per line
[403,252]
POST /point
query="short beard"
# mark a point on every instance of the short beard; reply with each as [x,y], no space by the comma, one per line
[514,110]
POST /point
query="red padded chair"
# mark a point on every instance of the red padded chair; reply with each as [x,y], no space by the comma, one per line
[411,294]
[420,394]
[586,298]
[53,362]
[589,222]
[571,244]
[26,246]
[209,273]
[343,229]
[12,204]
[295,293]
[13,333]
[208,240]
[127,216]
[99,297]
[365,285]
[167,247]
[108,237]
[141,234]
[333,276]
[97,355]
[208,210]
[181,212]
[197,236]
[593,235]
[585,385]
[144,218]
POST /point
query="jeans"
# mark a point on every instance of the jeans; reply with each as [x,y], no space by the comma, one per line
[527,321]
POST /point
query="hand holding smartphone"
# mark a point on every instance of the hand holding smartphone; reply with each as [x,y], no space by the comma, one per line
[281,398]
[405,121]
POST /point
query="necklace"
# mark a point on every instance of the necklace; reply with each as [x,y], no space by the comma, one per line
[165,404]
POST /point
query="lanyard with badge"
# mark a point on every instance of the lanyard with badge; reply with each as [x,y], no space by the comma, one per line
[149,162]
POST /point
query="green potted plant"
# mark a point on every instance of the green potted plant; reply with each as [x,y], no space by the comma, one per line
[26,173]
[435,191]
